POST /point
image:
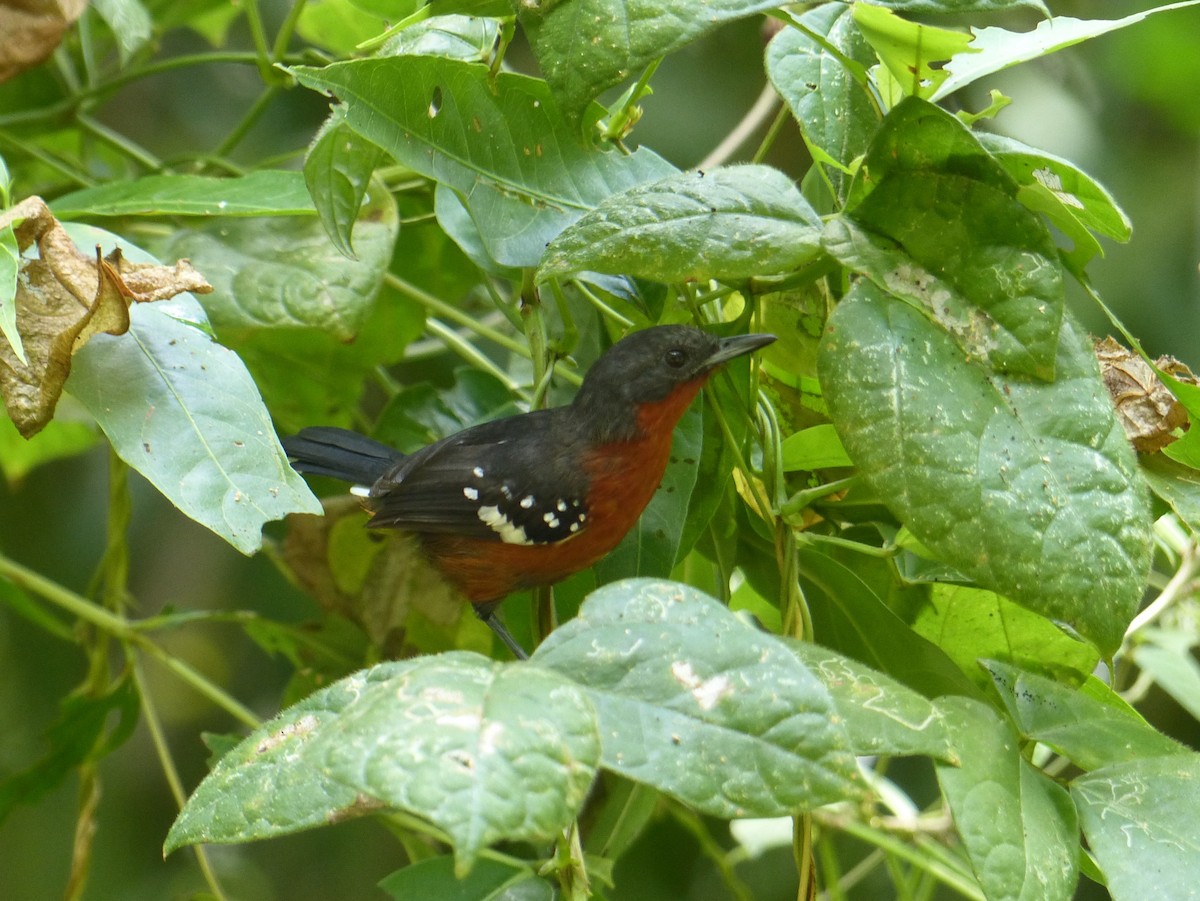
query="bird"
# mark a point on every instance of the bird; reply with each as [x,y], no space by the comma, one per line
[530,499]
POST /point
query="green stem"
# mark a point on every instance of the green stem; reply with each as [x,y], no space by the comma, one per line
[455,315]
[471,354]
[120,628]
[284,36]
[249,120]
[258,35]
[171,773]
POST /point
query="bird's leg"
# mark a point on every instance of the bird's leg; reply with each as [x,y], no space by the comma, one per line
[487,613]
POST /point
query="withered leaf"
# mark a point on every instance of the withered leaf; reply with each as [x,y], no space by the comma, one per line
[31,29]
[63,299]
[1148,410]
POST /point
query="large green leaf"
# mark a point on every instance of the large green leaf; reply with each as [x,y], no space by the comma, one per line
[501,144]
[183,411]
[834,105]
[285,274]
[586,46]
[270,784]
[910,51]
[1028,487]
[701,705]
[267,192]
[730,223]
[1018,826]
[484,751]
[935,220]
[1140,821]
[1090,725]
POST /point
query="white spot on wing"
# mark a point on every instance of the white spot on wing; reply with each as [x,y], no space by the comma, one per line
[508,532]
[360,490]
[471,494]
[478,472]
[527,501]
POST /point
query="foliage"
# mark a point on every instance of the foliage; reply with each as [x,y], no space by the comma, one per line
[914,530]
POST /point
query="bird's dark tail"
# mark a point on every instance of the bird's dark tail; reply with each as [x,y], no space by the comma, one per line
[340,454]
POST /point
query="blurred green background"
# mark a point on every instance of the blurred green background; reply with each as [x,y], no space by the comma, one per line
[1123,107]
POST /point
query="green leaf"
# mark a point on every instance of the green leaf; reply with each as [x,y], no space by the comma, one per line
[1139,818]
[341,25]
[970,624]
[908,48]
[817,447]
[10,264]
[270,784]
[484,751]
[833,104]
[730,223]
[337,170]
[182,410]
[489,880]
[936,222]
[130,23]
[1090,725]
[651,547]
[1177,484]
[279,274]
[700,705]
[881,716]
[518,167]
[584,47]
[995,48]
[267,192]
[1018,826]
[466,37]
[1074,202]
[851,597]
[1028,487]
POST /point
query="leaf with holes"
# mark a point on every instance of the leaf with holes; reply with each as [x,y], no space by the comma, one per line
[683,688]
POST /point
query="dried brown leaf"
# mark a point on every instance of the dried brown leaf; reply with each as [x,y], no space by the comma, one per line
[31,29]
[1148,410]
[63,299]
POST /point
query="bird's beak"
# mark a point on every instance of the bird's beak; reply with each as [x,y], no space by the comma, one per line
[735,346]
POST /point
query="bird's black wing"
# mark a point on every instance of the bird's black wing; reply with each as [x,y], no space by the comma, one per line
[516,480]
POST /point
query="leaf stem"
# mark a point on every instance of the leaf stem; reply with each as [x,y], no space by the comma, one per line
[171,773]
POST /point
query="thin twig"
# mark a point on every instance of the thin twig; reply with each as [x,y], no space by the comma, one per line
[762,110]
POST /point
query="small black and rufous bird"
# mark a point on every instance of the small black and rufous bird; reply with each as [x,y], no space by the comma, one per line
[531,499]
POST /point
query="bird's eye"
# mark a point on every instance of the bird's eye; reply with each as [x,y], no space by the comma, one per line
[675,358]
